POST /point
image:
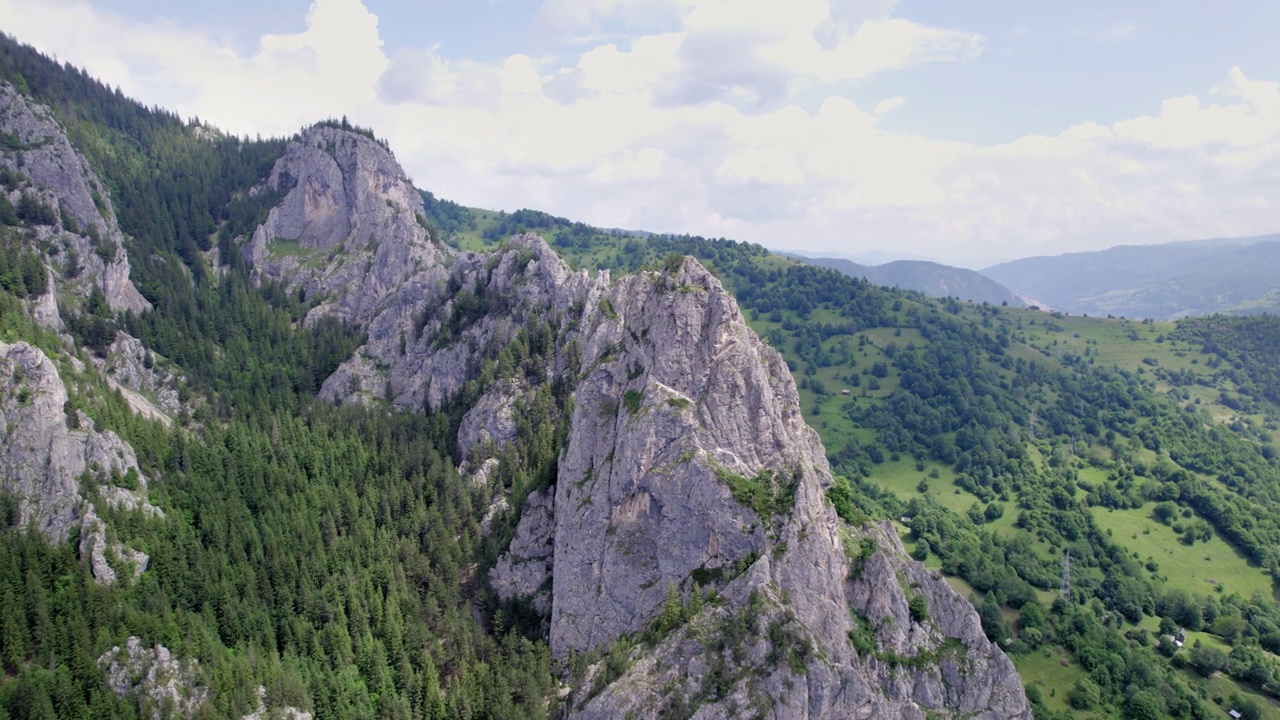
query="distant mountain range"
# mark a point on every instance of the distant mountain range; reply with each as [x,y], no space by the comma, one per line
[1170,280]
[930,278]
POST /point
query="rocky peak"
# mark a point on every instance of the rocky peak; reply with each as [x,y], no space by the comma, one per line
[350,226]
[687,462]
[687,466]
[86,245]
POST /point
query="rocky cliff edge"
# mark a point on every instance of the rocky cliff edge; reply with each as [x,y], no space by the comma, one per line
[50,458]
[688,468]
[84,243]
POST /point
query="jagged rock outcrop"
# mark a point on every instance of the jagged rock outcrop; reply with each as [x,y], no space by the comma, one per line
[350,227]
[431,340]
[85,245]
[687,463]
[524,571]
[167,686]
[148,383]
[490,424]
[45,452]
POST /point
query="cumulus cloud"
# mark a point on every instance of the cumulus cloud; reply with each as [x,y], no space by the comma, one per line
[722,67]
[567,86]
[694,124]
[328,69]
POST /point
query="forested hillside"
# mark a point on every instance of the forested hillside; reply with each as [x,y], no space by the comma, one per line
[328,555]
[335,557]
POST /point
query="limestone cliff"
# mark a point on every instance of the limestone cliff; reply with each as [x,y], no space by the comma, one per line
[84,244]
[148,382]
[47,456]
[349,228]
[687,467]
[688,462]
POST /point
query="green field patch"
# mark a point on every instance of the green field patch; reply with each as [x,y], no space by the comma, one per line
[284,247]
[1051,670]
[903,479]
[1220,688]
[1198,568]
[1207,639]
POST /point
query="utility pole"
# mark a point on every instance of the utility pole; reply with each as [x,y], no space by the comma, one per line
[1066,575]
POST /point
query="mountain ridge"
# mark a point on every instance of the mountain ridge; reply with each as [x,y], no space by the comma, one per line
[1166,281]
[432,338]
[933,279]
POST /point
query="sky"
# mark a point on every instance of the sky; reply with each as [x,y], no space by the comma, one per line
[968,133]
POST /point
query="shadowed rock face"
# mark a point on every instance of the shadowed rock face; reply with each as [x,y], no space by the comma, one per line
[85,226]
[686,459]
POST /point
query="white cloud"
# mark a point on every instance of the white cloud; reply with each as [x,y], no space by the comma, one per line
[888,104]
[880,45]
[697,128]
[608,69]
[754,52]
[767,166]
[520,76]
[579,20]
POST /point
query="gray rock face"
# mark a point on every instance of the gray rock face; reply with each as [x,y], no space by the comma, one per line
[349,228]
[676,394]
[166,686]
[147,382]
[681,412]
[524,571]
[432,338]
[43,458]
[491,424]
[61,178]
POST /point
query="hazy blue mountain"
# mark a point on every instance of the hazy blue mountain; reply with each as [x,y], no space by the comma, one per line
[931,278]
[1170,280]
